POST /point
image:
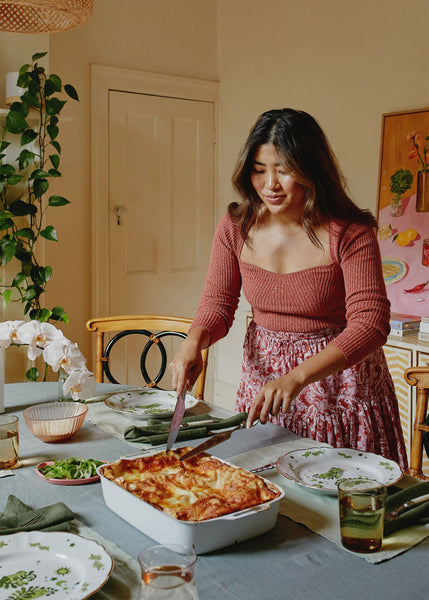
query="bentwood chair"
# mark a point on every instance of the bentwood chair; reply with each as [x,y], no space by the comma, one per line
[419,376]
[155,329]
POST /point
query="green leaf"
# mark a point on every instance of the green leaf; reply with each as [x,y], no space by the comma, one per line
[49,88]
[46,273]
[7,295]
[53,120]
[38,174]
[56,81]
[28,136]
[57,146]
[40,186]
[3,145]
[7,249]
[54,173]
[58,314]
[19,208]
[70,91]
[54,106]
[58,201]
[32,374]
[24,69]
[52,131]
[49,233]
[15,122]
[18,279]
[30,99]
[30,293]
[38,55]
[25,232]
[26,158]
[7,170]
[14,179]
[6,224]
[55,160]
[44,315]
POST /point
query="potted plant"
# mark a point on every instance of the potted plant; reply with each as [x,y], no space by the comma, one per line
[400,182]
[24,186]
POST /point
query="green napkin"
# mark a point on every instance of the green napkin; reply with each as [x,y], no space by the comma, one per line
[156,433]
[417,515]
[55,517]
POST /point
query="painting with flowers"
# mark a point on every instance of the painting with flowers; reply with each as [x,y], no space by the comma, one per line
[403,210]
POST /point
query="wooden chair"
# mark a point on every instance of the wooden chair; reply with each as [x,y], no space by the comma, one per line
[419,376]
[153,327]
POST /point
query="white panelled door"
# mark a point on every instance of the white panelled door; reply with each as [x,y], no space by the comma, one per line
[161,202]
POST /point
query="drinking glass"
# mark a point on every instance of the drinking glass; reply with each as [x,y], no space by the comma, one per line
[168,573]
[9,441]
[361,504]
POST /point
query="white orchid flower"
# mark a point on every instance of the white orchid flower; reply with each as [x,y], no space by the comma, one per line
[37,336]
[64,355]
[80,384]
[8,333]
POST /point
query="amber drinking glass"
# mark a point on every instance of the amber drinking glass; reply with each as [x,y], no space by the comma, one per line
[361,505]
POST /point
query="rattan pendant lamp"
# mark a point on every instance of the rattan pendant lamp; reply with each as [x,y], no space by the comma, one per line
[43,16]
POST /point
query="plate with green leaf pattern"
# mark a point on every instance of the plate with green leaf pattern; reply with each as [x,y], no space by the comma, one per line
[61,565]
[321,468]
[146,402]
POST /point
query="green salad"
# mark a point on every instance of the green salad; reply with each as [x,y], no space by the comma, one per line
[71,468]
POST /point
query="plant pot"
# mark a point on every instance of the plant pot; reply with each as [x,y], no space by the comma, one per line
[422,199]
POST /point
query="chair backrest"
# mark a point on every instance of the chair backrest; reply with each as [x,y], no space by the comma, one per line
[152,327]
[419,376]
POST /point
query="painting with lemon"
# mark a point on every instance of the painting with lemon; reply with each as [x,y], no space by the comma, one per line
[403,218]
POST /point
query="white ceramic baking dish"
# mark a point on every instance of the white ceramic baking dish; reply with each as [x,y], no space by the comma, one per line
[203,536]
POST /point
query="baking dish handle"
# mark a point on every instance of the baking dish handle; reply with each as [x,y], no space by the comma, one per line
[245,512]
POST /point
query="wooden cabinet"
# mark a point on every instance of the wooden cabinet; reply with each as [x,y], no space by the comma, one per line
[401,353]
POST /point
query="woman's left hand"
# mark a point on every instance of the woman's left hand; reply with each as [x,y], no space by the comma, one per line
[273,397]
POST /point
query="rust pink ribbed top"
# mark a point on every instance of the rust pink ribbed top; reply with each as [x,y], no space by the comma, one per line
[349,293]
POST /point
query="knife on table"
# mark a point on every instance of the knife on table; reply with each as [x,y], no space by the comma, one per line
[176,421]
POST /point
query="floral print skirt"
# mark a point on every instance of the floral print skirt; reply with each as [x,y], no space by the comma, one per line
[354,408]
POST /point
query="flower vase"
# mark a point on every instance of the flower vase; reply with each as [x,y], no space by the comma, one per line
[1,380]
[62,376]
[396,206]
[422,200]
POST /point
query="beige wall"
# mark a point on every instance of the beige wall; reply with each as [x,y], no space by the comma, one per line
[345,62]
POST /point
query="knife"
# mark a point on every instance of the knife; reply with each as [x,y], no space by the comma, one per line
[176,421]
[213,441]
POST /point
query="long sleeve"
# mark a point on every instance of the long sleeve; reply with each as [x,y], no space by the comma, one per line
[221,293]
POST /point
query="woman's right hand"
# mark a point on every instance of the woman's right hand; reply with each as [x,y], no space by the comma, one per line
[187,364]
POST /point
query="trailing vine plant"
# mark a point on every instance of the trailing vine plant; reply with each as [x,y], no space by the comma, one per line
[24,186]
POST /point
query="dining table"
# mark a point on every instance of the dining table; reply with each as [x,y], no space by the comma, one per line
[290,561]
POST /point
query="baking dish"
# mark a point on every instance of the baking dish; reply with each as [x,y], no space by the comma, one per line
[203,536]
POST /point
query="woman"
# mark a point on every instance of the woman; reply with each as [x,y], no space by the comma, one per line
[308,261]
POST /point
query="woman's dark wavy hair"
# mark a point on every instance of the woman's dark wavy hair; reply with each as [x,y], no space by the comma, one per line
[305,152]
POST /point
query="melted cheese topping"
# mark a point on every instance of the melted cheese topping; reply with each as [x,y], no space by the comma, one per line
[199,488]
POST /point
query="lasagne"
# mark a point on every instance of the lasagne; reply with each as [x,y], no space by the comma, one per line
[197,489]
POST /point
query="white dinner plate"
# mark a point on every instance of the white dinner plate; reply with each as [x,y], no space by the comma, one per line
[146,402]
[61,565]
[321,468]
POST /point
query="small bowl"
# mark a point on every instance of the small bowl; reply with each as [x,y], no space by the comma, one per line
[55,421]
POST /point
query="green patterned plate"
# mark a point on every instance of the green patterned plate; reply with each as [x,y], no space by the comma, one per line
[321,468]
[54,564]
[146,402]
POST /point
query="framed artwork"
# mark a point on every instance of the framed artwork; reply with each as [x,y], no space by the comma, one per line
[403,210]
